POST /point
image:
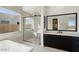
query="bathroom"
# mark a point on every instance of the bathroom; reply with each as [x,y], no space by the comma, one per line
[39,28]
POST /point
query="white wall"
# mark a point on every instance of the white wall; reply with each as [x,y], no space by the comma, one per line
[11,18]
[54,10]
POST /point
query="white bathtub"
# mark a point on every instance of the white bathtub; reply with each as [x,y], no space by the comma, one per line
[11,46]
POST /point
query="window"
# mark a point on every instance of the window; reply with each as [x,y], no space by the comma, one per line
[9,21]
[28,23]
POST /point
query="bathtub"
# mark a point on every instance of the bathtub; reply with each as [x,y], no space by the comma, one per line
[11,46]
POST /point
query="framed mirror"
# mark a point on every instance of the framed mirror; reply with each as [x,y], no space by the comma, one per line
[62,22]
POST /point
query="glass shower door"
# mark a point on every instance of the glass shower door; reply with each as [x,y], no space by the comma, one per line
[32,29]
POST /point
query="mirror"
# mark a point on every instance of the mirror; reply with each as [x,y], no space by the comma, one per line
[62,22]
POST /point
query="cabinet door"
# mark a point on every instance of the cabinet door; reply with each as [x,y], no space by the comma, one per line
[75,44]
[66,43]
[52,41]
[55,42]
[47,40]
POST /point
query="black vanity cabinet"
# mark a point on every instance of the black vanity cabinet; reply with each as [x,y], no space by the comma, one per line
[68,43]
[75,44]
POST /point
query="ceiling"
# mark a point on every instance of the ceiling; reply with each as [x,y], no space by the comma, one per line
[33,10]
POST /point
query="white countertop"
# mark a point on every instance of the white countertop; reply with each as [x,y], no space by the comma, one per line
[76,34]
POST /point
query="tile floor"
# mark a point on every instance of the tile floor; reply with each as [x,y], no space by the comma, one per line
[38,48]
